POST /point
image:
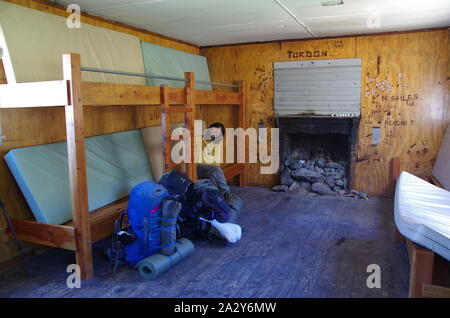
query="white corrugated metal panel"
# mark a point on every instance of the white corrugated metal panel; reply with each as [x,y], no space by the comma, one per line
[214,22]
[323,87]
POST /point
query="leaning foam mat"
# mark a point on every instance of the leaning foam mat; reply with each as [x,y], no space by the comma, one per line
[164,61]
[36,41]
[115,164]
[153,144]
[422,213]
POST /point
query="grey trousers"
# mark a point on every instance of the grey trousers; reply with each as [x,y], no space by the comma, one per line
[215,174]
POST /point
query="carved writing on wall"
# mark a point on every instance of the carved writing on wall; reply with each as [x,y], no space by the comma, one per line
[306,54]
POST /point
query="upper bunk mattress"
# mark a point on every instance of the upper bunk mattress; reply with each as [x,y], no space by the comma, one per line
[115,164]
[422,213]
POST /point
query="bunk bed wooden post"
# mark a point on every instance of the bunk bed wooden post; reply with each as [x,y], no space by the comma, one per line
[165,125]
[242,93]
[77,165]
[395,173]
[422,263]
[190,118]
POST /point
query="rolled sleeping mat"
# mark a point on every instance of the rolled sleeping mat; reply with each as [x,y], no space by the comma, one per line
[149,268]
[170,211]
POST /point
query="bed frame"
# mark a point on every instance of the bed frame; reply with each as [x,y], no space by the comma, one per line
[73,94]
[429,272]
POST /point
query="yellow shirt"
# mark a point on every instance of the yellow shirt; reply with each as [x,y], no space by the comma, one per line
[210,152]
[207,152]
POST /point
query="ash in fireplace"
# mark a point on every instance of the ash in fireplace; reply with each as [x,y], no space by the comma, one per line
[319,174]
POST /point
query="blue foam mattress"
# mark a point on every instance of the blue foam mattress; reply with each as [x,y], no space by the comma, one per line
[115,164]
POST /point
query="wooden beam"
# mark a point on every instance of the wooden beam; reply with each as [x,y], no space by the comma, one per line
[61,236]
[177,96]
[179,109]
[105,227]
[395,172]
[242,123]
[190,118]
[102,220]
[165,126]
[35,94]
[111,94]
[434,291]
[234,170]
[77,165]
[203,97]
[421,262]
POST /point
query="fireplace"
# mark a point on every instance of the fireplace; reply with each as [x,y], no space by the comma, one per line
[317,154]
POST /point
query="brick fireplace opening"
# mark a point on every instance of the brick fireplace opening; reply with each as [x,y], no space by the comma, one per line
[317,154]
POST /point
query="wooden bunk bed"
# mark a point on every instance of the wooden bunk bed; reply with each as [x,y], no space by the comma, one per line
[73,94]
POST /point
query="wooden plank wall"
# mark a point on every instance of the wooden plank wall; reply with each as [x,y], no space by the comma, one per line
[412,114]
[28,127]
[448,81]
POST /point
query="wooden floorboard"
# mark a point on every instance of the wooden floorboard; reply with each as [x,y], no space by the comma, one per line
[292,246]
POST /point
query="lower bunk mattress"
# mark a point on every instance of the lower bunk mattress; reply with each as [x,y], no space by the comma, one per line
[115,164]
[422,213]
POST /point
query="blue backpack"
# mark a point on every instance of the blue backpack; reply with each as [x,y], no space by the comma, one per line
[144,219]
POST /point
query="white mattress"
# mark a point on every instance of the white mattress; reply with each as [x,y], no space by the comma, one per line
[422,213]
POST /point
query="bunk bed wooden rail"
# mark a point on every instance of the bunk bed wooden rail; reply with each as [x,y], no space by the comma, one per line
[73,94]
[54,93]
